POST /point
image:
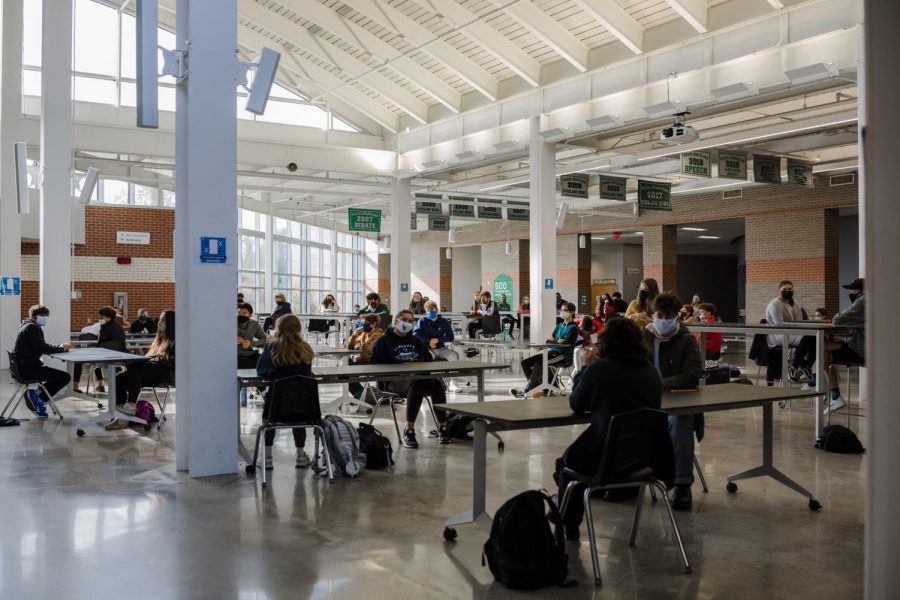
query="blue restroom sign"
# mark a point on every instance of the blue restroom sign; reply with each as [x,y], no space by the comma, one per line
[212,250]
[548,283]
[10,286]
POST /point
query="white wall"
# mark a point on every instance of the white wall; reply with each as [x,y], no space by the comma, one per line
[31,221]
[466,276]
[612,261]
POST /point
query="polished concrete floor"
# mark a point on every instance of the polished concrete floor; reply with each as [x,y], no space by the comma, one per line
[108,516]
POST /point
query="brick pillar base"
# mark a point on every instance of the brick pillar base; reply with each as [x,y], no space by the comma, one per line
[584,301]
[661,256]
[524,268]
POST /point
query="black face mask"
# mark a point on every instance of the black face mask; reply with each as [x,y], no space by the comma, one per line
[853,296]
[787,295]
[643,295]
[142,318]
[242,319]
[279,302]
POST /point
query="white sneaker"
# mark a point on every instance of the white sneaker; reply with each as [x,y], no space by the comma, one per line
[836,405]
[303,460]
[806,387]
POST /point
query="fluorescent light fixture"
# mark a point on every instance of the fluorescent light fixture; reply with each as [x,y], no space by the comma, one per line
[709,237]
[508,146]
[451,235]
[693,229]
[467,155]
[735,91]
[556,134]
[20,155]
[664,109]
[432,164]
[87,187]
[263,80]
[510,182]
[599,238]
[604,122]
[638,233]
[147,14]
[776,4]
[810,73]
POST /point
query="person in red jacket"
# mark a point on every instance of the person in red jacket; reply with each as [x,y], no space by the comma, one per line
[706,313]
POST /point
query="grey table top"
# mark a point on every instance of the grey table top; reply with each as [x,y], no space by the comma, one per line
[97,356]
[320,350]
[791,325]
[555,410]
[437,368]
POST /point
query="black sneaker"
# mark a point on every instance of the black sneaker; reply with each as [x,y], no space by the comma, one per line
[472,352]
[517,392]
[409,439]
[682,499]
[444,435]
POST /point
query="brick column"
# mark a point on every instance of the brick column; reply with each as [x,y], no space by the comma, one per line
[801,246]
[524,269]
[661,256]
[584,300]
[445,285]
[384,278]
[567,267]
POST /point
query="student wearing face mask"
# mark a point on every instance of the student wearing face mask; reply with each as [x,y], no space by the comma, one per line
[374,306]
[674,353]
[435,331]
[111,337]
[640,309]
[250,336]
[399,345]
[143,323]
[565,334]
[417,304]
[282,307]
[29,348]
[620,305]
[780,310]
[159,369]
[366,332]
[706,313]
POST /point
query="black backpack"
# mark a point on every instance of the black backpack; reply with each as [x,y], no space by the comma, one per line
[459,426]
[839,439]
[523,551]
[377,448]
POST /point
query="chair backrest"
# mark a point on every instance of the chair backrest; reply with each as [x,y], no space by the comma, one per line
[293,399]
[491,324]
[759,348]
[637,440]
[384,321]
[14,366]
[86,337]
[319,325]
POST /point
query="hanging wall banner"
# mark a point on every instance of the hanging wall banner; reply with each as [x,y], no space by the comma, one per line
[428,208]
[696,163]
[574,186]
[766,169]
[800,172]
[733,165]
[364,219]
[518,214]
[503,284]
[654,196]
[462,210]
[489,212]
[438,223]
[413,222]
[612,188]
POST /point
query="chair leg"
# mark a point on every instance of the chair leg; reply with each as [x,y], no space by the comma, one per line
[437,425]
[849,393]
[684,558]
[51,402]
[638,505]
[566,497]
[320,435]
[589,516]
[13,397]
[700,475]
[653,494]
[256,446]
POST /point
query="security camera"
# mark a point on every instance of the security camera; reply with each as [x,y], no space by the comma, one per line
[292,166]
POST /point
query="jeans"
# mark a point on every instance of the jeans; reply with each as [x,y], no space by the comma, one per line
[415,391]
[681,428]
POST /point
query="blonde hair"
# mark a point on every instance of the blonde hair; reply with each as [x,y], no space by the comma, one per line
[160,346]
[288,346]
[431,303]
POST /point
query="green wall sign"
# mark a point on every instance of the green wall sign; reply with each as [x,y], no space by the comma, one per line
[654,196]
[503,284]
[364,219]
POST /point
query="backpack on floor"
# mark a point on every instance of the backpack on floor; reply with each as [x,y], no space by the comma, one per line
[459,427]
[343,445]
[523,551]
[377,448]
[839,439]
[144,410]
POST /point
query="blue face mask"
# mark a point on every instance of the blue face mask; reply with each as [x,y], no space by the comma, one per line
[431,314]
[358,324]
[41,320]
[665,327]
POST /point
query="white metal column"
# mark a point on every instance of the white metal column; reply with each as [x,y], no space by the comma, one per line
[206,186]
[882,87]
[10,117]
[401,197]
[542,228]
[56,161]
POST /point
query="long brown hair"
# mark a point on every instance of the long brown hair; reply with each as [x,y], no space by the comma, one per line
[288,346]
[620,336]
[160,346]
[653,289]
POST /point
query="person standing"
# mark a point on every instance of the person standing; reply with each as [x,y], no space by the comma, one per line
[640,309]
[30,346]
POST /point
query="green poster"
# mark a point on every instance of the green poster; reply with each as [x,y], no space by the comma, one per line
[364,219]
[654,196]
[503,284]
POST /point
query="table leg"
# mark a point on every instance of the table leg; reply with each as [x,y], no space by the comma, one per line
[821,383]
[785,349]
[242,449]
[480,398]
[111,412]
[477,514]
[702,352]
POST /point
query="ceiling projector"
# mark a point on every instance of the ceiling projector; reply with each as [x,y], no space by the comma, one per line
[678,132]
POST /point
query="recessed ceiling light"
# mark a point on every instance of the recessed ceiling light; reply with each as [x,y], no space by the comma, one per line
[692,229]
[638,233]
[598,238]
[708,237]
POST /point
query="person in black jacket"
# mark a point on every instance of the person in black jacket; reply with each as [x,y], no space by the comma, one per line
[285,355]
[674,353]
[399,345]
[111,337]
[160,369]
[29,348]
[143,323]
[282,307]
[618,378]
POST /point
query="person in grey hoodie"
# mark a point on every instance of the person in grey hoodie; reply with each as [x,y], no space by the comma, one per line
[852,351]
[250,336]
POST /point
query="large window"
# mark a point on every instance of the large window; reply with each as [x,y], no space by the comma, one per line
[252,262]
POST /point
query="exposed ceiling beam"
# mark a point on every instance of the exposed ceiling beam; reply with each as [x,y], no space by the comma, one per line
[430,44]
[358,36]
[301,37]
[776,4]
[494,42]
[618,22]
[548,30]
[692,11]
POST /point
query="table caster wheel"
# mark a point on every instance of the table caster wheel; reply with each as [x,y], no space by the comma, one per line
[731,487]
[79,432]
[100,406]
[450,534]
[500,446]
[250,469]
[814,504]
[264,485]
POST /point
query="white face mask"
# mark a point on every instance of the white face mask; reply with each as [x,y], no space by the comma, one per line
[565,314]
[404,327]
[665,327]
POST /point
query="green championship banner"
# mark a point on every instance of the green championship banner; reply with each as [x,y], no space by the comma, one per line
[653,195]
[696,163]
[733,165]
[800,172]
[574,186]
[766,169]
[364,219]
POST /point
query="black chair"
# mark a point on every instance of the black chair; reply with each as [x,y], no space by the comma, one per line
[491,325]
[636,441]
[293,403]
[24,386]
[384,321]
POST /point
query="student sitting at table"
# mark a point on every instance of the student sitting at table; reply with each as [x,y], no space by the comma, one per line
[435,331]
[399,345]
[486,311]
[674,353]
[285,355]
[417,304]
[365,333]
[566,335]
[620,305]
[111,336]
[706,313]
[29,348]
[250,336]
[640,308]
[374,306]
[617,378]
[143,323]
[282,307]
[159,369]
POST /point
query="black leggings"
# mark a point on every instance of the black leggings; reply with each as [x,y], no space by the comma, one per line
[141,375]
[76,374]
[415,391]
[53,379]
[299,437]
[532,367]
[474,326]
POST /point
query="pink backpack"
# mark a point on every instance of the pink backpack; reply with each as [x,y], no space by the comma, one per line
[144,410]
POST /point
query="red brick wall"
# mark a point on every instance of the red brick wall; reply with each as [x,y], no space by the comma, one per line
[661,256]
[524,267]
[445,285]
[384,278]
